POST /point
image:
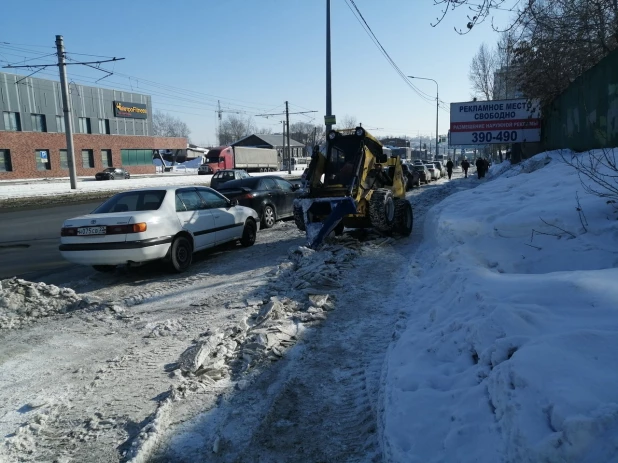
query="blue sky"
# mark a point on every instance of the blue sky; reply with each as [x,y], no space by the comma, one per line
[254,55]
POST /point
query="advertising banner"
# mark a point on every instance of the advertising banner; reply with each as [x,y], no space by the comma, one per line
[495,122]
[130,110]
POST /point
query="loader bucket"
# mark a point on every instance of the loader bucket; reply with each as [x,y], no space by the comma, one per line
[322,215]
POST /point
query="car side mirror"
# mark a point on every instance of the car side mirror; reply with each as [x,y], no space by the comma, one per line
[296,186]
[233,202]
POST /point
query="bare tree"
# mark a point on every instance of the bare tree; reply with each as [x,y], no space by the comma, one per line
[165,125]
[482,70]
[348,122]
[234,128]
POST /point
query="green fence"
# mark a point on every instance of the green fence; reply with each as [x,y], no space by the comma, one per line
[585,115]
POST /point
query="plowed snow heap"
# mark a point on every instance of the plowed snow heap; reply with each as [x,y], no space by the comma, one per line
[23,301]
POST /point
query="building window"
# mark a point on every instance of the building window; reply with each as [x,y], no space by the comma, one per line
[38,123]
[42,160]
[104,126]
[5,161]
[87,159]
[136,157]
[64,159]
[12,121]
[60,124]
[106,158]
[84,125]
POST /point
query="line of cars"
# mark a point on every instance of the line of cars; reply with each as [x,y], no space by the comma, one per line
[419,171]
[172,223]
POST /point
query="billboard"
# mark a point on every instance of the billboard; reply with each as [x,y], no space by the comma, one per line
[131,110]
[495,122]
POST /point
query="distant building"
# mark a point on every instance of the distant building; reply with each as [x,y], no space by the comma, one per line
[505,85]
[397,142]
[112,128]
[273,141]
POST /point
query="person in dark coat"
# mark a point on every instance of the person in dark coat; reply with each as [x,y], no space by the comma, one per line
[465,165]
[486,166]
[480,165]
[449,168]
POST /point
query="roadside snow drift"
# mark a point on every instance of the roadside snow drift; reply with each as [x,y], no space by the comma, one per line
[510,352]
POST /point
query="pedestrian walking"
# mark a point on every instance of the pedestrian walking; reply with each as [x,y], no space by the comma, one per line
[449,168]
[465,165]
[480,165]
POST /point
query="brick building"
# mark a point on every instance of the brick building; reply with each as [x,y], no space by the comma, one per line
[111,129]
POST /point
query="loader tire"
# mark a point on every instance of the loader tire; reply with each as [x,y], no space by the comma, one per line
[382,210]
[299,218]
[404,217]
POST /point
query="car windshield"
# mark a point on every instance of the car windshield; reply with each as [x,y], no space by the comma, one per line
[132,201]
[110,169]
[419,168]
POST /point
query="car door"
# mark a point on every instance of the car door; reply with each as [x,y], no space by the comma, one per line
[227,225]
[273,193]
[195,217]
[287,196]
[118,174]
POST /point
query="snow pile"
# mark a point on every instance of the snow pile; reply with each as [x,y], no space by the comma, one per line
[22,302]
[509,351]
[164,328]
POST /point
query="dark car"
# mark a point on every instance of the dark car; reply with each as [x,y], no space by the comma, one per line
[423,172]
[270,196]
[204,169]
[412,175]
[112,173]
[226,175]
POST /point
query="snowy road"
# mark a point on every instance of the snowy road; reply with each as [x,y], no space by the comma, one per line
[241,359]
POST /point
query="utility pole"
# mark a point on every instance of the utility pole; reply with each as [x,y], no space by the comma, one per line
[329,103]
[66,108]
[437,104]
[283,145]
[287,122]
[66,103]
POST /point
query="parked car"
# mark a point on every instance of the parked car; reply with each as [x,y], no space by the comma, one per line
[204,169]
[433,172]
[169,223]
[424,174]
[418,162]
[413,177]
[441,167]
[112,173]
[226,175]
[270,196]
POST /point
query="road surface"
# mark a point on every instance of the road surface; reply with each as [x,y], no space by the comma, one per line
[29,240]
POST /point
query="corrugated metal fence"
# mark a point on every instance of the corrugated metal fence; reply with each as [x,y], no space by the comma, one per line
[585,115]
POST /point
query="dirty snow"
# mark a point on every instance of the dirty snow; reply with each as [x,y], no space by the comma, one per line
[509,349]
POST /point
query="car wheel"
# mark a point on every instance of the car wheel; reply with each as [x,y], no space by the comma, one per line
[268,217]
[249,233]
[111,176]
[104,268]
[181,254]
[127,176]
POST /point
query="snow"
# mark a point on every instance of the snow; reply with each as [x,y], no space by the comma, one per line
[487,335]
[509,349]
[37,188]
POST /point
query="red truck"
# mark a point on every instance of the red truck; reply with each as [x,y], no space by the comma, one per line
[241,157]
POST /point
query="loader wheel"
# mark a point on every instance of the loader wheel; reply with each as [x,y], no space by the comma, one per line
[299,218]
[382,210]
[404,217]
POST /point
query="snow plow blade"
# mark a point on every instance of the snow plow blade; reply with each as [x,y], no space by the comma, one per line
[322,215]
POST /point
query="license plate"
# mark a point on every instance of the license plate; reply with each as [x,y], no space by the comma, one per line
[91,231]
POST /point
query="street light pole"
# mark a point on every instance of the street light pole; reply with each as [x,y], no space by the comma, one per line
[437,104]
[329,109]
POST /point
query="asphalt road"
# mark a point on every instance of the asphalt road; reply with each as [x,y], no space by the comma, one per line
[29,240]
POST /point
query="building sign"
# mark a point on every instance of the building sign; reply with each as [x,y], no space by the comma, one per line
[330,120]
[495,122]
[43,155]
[131,110]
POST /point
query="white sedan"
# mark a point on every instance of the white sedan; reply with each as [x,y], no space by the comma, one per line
[169,223]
